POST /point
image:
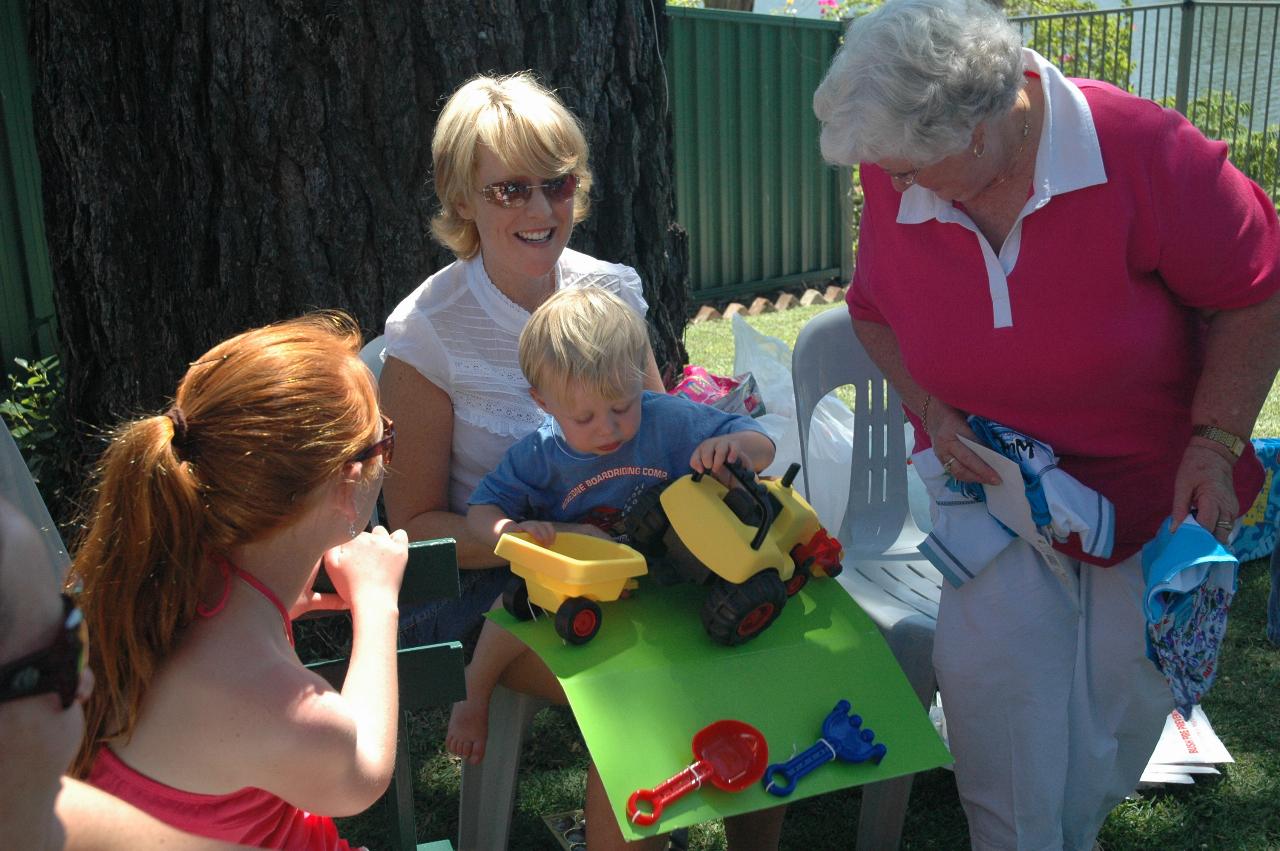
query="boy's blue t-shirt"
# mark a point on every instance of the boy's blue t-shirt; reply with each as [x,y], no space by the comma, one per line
[542,478]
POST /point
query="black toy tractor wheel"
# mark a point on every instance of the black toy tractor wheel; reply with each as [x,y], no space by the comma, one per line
[515,599]
[737,613]
[798,579]
[578,620]
[646,523]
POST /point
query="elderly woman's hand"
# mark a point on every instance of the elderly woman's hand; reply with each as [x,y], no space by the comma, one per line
[1205,484]
[946,425]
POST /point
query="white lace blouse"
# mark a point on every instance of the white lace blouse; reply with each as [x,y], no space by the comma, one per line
[460,332]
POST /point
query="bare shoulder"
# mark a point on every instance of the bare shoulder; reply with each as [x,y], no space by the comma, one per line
[278,701]
[253,706]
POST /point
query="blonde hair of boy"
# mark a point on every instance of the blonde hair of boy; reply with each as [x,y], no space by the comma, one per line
[524,125]
[585,335]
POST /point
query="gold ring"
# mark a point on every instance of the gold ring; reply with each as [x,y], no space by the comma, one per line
[946,468]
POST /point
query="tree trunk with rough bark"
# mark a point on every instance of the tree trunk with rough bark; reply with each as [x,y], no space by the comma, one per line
[212,166]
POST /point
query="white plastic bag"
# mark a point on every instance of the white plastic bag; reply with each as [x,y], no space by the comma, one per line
[830,433]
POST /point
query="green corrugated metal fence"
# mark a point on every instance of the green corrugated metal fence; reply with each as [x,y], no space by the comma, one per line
[26,287]
[762,209]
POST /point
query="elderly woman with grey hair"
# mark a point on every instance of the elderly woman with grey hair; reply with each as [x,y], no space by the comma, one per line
[1084,267]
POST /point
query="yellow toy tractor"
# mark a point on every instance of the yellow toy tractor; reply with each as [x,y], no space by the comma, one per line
[753,544]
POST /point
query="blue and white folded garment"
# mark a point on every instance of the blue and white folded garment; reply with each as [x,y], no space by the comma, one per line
[1190,580]
[966,538]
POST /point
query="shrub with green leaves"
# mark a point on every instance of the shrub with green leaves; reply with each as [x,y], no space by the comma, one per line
[36,413]
[1096,46]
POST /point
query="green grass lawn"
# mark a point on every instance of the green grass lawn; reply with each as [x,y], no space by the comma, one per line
[1237,810]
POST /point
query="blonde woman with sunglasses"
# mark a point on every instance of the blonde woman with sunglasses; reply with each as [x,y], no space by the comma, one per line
[512,179]
[208,525]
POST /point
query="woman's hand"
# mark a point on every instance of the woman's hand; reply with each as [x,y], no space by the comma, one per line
[311,600]
[369,566]
[946,425]
[1205,484]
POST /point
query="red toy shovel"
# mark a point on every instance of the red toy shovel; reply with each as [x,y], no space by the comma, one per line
[731,754]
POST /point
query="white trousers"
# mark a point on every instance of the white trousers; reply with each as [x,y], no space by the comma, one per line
[1053,709]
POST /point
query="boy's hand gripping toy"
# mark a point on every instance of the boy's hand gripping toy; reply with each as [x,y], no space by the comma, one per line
[842,738]
[731,754]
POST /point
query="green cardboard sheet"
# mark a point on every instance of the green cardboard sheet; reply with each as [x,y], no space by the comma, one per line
[651,678]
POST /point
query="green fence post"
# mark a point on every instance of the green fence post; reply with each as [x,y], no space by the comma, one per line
[1184,56]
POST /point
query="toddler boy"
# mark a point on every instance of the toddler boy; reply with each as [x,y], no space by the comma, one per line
[583,353]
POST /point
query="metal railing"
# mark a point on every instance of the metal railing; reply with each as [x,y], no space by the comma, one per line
[1215,62]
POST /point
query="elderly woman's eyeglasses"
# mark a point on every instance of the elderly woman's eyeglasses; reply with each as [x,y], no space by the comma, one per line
[516,193]
[906,178]
[384,447]
[56,668]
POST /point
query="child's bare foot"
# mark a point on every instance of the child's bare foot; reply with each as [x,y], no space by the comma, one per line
[468,729]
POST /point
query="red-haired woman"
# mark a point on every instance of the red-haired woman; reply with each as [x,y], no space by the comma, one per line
[208,527]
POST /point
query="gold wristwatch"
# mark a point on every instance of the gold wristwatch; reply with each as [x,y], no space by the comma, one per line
[1221,436]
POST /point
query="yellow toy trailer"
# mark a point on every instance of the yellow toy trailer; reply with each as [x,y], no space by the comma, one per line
[569,578]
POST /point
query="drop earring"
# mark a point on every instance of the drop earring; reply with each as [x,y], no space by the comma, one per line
[351,527]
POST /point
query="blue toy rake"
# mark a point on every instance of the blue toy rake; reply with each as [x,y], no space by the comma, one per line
[842,738]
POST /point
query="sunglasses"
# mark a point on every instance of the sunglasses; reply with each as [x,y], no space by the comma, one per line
[384,447]
[57,668]
[516,193]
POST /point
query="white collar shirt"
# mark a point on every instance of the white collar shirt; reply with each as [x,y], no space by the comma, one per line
[1069,158]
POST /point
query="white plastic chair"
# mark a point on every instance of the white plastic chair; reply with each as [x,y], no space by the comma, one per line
[883,568]
[488,789]
[371,354]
